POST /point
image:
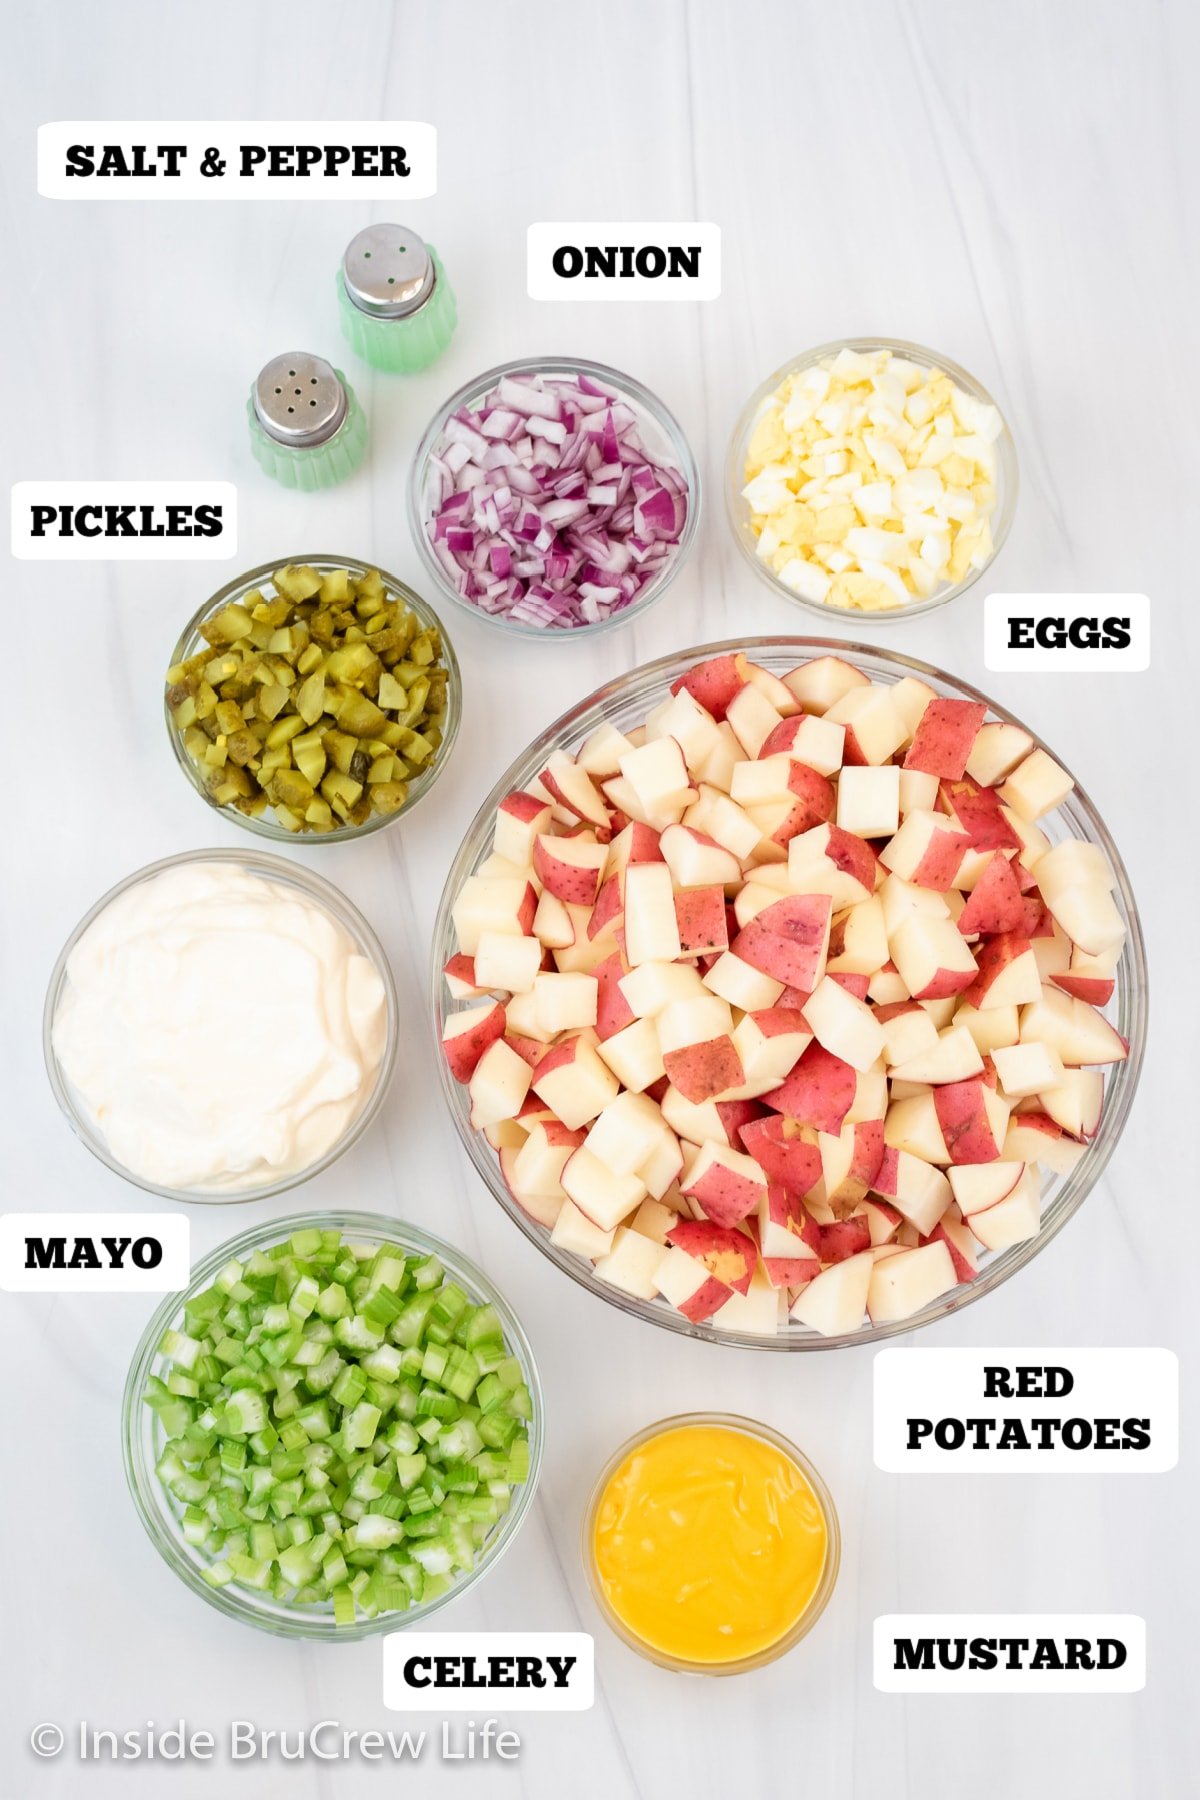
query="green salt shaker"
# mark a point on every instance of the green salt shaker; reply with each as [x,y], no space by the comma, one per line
[397,307]
[307,429]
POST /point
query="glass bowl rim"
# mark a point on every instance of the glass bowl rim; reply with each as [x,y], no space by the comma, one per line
[139,1471]
[275,868]
[1131,987]
[265,827]
[827,1581]
[1002,517]
[629,387]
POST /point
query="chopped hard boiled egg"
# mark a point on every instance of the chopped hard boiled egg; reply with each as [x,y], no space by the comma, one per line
[871,481]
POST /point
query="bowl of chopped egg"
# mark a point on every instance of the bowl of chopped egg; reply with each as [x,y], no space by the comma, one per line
[871,477]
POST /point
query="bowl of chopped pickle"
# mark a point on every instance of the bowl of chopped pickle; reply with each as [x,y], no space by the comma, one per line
[317,698]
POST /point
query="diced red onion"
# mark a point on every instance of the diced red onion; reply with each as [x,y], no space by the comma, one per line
[546,507]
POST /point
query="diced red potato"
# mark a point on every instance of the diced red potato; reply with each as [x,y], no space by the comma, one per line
[468,1034]
[741,1061]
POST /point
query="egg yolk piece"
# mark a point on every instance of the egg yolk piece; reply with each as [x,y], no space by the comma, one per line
[709,1543]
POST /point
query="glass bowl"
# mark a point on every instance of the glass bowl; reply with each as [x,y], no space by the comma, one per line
[662,435]
[735,479]
[190,642]
[825,1586]
[626,701]
[142,1435]
[325,895]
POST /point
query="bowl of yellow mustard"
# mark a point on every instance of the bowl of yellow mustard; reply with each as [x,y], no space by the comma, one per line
[711,1544]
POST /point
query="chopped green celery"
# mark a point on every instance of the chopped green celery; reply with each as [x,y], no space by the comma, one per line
[382,1364]
[327,1403]
[360,1426]
[410,1325]
[374,1532]
[449,1304]
[387,1270]
[333,1301]
[435,1403]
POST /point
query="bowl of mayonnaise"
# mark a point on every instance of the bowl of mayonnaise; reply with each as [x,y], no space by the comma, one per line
[220,1026]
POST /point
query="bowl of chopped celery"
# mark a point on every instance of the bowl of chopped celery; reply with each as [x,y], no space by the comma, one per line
[315,699]
[336,1429]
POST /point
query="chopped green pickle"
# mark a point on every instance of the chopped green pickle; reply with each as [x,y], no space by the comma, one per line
[319,703]
[340,1425]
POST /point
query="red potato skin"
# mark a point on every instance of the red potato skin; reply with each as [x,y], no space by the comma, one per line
[894,1217]
[523,806]
[994,904]
[708,1298]
[464,1051]
[781,737]
[852,753]
[715,683]
[735,1115]
[701,918]
[947,982]
[847,1237]
[780,1021]
[853,856]
[964,1123]
[787,939]
[1025,881]
[992,955]
[600,815]
[816,798]
[976,810]
[528,908]
[1037,921]
[941,860]
[643,843]
[790,1162]
[886,1180]
[791,1271]
[944,736]
[853,984]
[701,1071]
[729,1255]
[609,905]
[894,1009]
[613,1011]
[962,1268]
[819,1091]
[527,1048]
[564,880]
[1040,1121]
[1094,989]
[461,968]
[868,1152]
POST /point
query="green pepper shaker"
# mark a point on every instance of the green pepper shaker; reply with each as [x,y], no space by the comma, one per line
[396,304]
[307,429]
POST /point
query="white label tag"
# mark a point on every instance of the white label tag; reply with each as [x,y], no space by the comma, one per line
[1067,633]
[247,159]
[601,260]
[512,1671]
[93,1253]
[1010,1653]
[124,521]
[1026,1412]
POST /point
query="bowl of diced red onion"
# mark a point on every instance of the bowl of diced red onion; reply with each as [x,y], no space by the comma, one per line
[553,494]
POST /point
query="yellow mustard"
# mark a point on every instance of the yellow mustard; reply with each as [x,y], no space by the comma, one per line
[709,1543]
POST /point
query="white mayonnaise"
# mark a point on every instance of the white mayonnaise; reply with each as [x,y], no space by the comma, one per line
[220,1029]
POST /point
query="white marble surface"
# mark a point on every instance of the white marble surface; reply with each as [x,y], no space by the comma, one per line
[1010,184]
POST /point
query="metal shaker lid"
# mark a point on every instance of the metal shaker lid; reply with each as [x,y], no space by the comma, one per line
[388,271]
[299,400]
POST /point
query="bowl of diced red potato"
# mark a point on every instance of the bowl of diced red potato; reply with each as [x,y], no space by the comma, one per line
[790,994]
